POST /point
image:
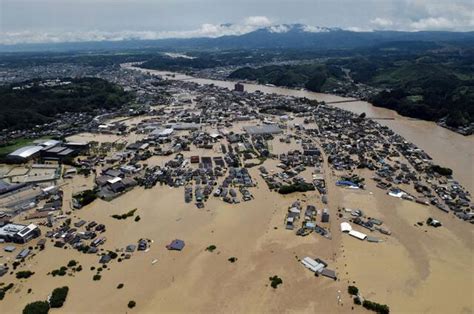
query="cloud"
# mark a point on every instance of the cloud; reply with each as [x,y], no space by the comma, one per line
[279,28]
[249,24]
[257,21]
[417,15]
[358,29]
[381,22]
[404,15]
[433,23]
[315,29]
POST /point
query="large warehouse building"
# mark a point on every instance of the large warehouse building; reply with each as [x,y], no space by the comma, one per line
[24,154]
[48,150]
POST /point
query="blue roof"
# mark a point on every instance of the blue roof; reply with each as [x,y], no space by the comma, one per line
[342,182]
[176,245]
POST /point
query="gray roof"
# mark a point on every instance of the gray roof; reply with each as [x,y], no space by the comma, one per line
[11,229]
[26,151]
[264,129]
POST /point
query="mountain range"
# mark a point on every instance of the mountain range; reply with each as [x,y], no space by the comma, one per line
[272,37]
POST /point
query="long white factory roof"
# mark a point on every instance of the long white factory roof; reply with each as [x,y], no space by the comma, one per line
[26,151]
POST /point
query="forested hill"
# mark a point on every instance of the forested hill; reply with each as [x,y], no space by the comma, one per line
[30,103]
[416,86]
[429,92]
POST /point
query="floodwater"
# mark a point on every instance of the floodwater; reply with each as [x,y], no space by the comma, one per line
[447,148]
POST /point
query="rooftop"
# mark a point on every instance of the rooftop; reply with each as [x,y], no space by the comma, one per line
[26,151]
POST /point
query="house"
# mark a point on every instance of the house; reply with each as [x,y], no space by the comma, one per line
[312,264]
[239,87]
[358,235]
[329,273]
[346,227]
[325,216]
[23,254]
[3,270]
[8,231]
[130,248]
[104,259]
[176,245]
[116,186]
[9,248]
[26,234]
[19,233]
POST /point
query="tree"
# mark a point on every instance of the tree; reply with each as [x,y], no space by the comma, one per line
[131,304]
[275,281]
[72,263]
[38,307]
[24,274]
[353,290]
[316,82]
[58,297]
[442,170]
[456,119]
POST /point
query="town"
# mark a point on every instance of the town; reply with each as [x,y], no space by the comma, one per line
[213,155]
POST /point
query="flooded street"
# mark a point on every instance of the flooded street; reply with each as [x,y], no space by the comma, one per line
[447,148]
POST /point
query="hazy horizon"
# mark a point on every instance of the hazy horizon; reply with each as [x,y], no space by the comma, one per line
[51,21]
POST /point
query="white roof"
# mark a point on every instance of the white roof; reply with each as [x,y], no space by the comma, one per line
[358,235]
[395,194]
[312,265]
[166,132]
[114,180]
[345,227]
[26,151]
[49,143]
[49,188]
[294,210]
[27,230]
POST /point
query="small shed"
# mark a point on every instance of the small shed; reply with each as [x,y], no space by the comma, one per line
[357,234]
[105,259]
[9,248]
[131,248]
[176,245]
[345,227]
[329,273]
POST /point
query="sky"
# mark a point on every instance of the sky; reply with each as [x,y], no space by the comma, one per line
[35,21]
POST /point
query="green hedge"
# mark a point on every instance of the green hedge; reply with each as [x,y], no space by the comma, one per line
[376,307]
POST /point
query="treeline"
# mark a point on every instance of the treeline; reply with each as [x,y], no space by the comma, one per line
[198,60]
[312,76]
[428,91]
[20,60]
[23,108]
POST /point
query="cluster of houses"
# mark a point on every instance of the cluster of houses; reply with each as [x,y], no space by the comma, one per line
[308,222]
[113,182]
[351,142]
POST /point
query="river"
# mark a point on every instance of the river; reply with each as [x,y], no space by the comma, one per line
[447,148]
